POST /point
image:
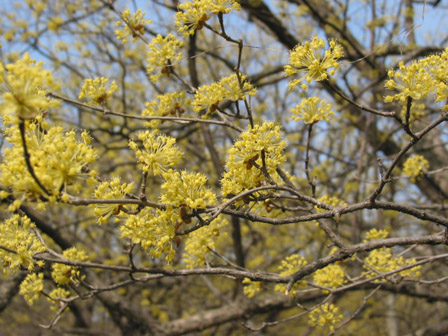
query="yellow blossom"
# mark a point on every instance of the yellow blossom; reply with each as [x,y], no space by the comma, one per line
[65,158]
[55,23]
[241,172]
[312,60]
[31,287]
[64,274]
[96,90]
[131,25]
[420,79]
[154,230]
[112,189]
[16,234]
[187,190]
[25,84]
[170,104]
[159,152]
[325,318]
[55,297]
[311,110]
[332,276]
[289,266]
[415,166]
[199,243]
[333,201]
[411,81]
[193,15]
[163,54]
[251,288]
[382,260]
[376,234]
[208,97]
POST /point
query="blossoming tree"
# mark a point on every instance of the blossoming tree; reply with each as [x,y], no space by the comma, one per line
[223,167]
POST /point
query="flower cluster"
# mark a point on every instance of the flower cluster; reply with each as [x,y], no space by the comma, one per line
[159,152]
[208,97]
[55,297]
[31,287]
[154,230]
[193,15]
[311,110]
[333,201]
[96,90]
[163,54]
[169,104]
[55,23]
[419,79]
[64,274]
[131,25]
[332,276]
[16,234]
[382,260]
[65,158]
[376,234]
[312,60]
[241,172]
[25,88]
[110,190]
[289,266]
[251,288]
[186,190]
[325,318]
[199,243]
[415,166]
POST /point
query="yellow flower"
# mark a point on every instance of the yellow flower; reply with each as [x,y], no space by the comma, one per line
[199,243]
[415,166]
[251,287]
[135,21]
[207,97]
[159,152]
[289,266]
[383,261]
[311,110]
[163,54]
[25,85]
[65,157]
[333,201]
[65,274]
[376,234]
[55,23]
[154,230]
[55,297]
[224,6]
[185,189]
[325,318]
[96,91]
[193,15]
[241,173]
[31,287]
[169,104]
[332,276]
[16,234]
[312,60]
[411,81]
[113,189]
